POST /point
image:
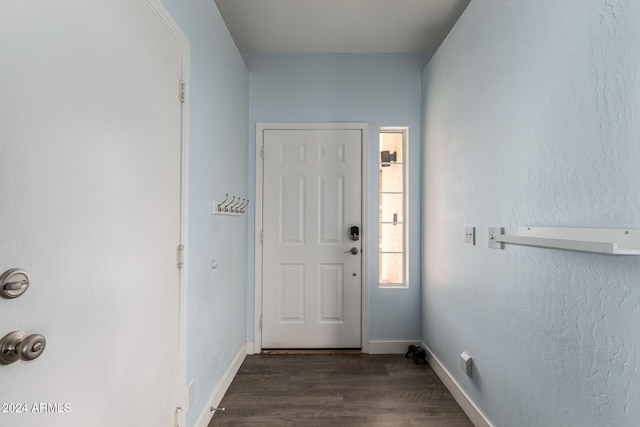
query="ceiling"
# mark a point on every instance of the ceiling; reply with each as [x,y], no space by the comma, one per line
[340,26]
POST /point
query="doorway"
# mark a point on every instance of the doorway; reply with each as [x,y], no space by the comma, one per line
[310,280]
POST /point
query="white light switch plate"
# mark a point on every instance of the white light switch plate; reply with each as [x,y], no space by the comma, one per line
[470,235]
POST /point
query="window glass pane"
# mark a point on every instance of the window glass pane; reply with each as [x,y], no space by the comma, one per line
[391,238]
[392,201]
[391,178]
[391,204]
[392,142]
[391,268]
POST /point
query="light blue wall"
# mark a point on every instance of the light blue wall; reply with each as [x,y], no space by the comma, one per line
[382,90]
[219,102]
[532,117]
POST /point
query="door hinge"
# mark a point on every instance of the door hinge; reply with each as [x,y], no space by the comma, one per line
[182,93]
[261,319]
[178,414]
[261,236]
[262,152]
[180,256]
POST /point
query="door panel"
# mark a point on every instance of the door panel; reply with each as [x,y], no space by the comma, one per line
[331,212]
[292,210]
[292,287]
[312,196]
[331,286]
[90,134]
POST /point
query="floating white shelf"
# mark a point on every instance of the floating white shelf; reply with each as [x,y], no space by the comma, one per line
[610,241]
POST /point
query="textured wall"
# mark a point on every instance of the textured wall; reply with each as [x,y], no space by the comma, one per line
[219,101]
[382,90]
[532,117]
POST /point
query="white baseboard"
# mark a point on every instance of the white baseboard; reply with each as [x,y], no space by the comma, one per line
[250,348]
[221,389]
[473,412]
[390,347]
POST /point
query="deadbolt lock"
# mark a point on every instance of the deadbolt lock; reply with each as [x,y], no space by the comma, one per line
[14,283]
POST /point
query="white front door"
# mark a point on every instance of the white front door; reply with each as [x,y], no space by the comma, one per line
[90,195]
[311,198]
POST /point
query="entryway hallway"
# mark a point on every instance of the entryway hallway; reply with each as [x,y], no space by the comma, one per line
[337,390]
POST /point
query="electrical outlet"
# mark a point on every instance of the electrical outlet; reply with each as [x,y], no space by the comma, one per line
[466,363]
[470,235]
[190,388]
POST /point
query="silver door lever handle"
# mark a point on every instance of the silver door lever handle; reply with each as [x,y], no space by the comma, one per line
[352,251]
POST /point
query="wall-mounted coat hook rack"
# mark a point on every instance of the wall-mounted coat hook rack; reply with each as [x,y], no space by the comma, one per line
[231,205]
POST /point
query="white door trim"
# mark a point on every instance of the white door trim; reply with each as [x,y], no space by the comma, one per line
[181,368]
[260,128]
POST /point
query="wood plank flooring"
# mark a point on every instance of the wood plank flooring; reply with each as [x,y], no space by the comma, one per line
[337,390]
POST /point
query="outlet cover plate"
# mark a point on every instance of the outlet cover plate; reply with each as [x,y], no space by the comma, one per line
[466,363]
[470,235]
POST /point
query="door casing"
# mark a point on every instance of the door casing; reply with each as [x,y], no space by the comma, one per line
[181,377]
[260,128]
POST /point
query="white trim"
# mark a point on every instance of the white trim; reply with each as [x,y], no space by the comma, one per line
[391,347]
[181,374]
[250,347]
[406,197]
[260,128]
[221,389]
[184,240]
[257,286]
[477,417]
[365,226]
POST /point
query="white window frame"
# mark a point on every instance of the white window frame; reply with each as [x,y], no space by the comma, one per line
[405,204]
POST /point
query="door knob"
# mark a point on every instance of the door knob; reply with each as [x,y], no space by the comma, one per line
[352,251]
[17,345]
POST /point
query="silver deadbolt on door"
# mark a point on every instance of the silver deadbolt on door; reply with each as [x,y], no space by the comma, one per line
[17,345]
[14,283]
[352,251]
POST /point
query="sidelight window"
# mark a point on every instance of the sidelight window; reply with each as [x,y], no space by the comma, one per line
[393,268]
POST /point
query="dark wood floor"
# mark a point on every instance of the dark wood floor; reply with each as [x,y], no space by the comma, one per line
[337,390]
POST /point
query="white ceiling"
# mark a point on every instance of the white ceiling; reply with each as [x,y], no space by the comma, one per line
[340,26]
